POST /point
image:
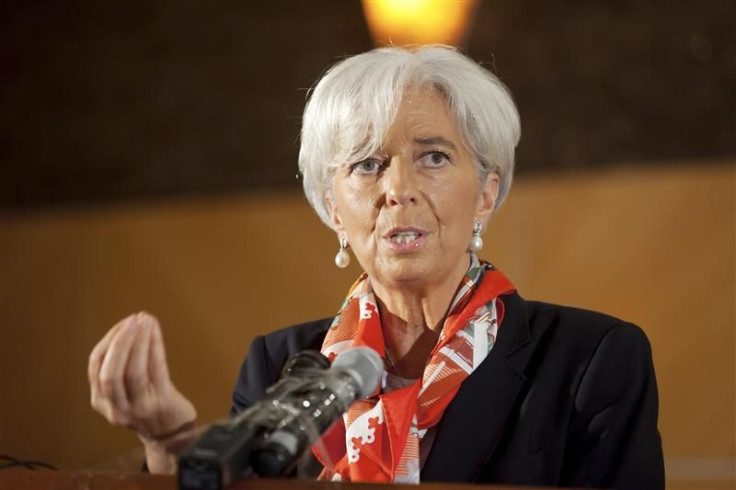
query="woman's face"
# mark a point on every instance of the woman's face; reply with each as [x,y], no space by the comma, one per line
[408,212]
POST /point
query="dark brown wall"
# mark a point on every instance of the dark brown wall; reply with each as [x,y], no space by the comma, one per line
[105,100]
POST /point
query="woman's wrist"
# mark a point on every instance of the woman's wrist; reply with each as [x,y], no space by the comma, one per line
[163,449]
[158,460]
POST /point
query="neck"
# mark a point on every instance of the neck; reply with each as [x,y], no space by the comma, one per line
[412,319]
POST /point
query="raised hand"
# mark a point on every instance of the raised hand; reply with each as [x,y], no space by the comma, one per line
[130,386]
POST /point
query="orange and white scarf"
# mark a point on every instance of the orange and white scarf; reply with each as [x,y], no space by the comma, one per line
[378,439]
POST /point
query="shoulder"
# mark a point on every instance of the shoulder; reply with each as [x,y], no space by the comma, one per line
[290,340]
[581,326]
[272,350]
[267,355]
[546,340]
[591,351]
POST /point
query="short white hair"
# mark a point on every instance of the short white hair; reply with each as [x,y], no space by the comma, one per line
[352,107]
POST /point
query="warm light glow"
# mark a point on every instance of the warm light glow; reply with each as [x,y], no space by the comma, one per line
[418,21]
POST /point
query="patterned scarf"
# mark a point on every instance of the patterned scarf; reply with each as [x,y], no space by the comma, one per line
[378,439]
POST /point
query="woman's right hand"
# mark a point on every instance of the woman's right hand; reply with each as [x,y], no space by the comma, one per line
[130,386]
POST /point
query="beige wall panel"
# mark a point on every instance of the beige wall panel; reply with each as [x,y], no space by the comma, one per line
[653,246]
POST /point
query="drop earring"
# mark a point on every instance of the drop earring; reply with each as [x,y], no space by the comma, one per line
[476,243]
[342,259]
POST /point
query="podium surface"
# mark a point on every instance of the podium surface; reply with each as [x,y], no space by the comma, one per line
[13,479]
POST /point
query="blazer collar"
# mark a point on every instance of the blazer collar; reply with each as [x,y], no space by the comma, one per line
[474,421]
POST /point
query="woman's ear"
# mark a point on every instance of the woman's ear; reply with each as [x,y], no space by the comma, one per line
[332,211]
[488,196]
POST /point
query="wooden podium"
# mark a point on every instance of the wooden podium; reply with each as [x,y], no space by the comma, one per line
[22,479]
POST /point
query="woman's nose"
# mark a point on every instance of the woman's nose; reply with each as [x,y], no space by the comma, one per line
[401,183]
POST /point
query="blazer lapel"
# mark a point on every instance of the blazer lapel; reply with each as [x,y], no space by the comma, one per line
[474,421]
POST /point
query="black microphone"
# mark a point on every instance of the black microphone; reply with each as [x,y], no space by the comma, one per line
[267,438]
[312,408]
[301,366]
[222,454]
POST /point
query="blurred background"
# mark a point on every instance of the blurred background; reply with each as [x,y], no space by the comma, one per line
[148,160]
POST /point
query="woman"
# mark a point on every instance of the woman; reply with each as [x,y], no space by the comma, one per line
[405,154]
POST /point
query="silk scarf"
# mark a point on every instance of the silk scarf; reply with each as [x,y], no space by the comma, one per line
[378,438]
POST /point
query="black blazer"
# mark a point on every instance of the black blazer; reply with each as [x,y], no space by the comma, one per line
[567,397]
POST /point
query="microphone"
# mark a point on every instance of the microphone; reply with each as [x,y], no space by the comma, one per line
[301,366]
[310,411]
[222,453]
[267,438]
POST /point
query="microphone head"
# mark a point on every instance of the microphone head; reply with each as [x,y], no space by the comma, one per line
[364,365]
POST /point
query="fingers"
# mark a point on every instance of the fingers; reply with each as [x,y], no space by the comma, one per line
[112,384]
[159,370]
[96,357]
[98,352]
[136,378]
[129,377]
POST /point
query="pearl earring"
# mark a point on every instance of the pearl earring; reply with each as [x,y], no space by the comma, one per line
[342,259]
[476,243]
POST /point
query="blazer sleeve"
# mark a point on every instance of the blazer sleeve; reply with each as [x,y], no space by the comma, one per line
[613,440]
[256,374]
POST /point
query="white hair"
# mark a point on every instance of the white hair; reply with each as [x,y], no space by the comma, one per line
[352,107]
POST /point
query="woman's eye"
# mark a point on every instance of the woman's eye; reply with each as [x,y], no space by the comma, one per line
[367,166]
[435,158]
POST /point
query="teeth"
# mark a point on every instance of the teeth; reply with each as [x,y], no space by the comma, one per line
[404,237]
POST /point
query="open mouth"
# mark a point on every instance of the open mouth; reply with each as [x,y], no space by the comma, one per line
[404,237]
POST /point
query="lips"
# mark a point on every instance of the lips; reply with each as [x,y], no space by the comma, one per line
[405,239]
